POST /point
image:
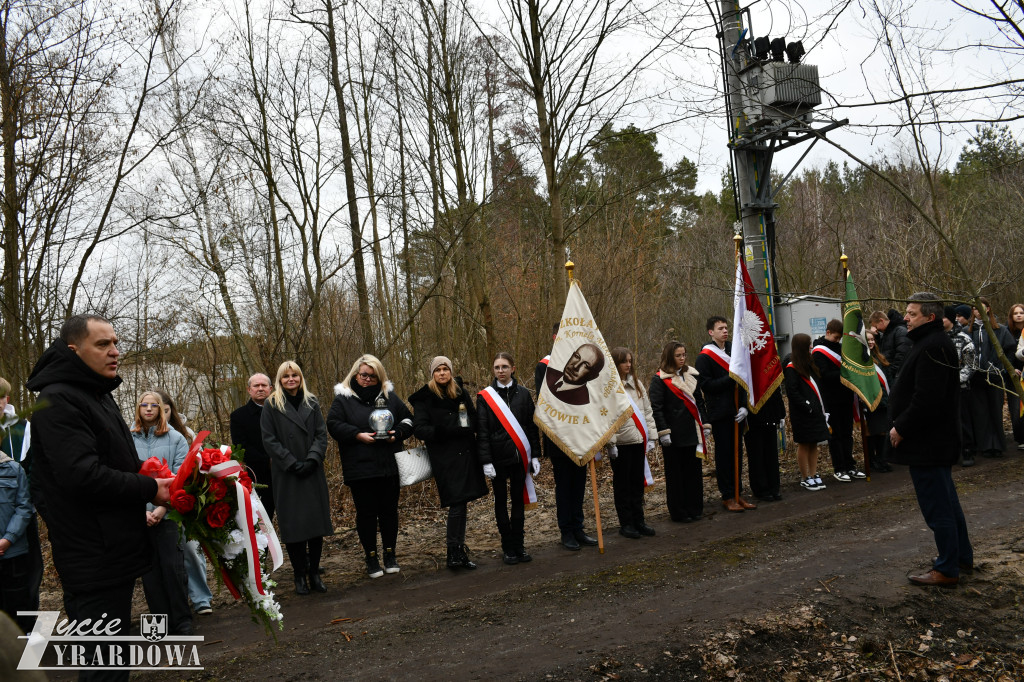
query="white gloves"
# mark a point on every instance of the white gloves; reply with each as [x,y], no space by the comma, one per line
[650,445]
[489,471]
[742,414]
[535,466]
[665,439]
[613,451]
[707,430]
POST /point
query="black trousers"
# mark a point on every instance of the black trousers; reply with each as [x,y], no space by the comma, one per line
[15,590]
[840,443]
[986,408]
[570,489]
[762,443]
[628,484]
[305,556]
[684,482]
[108,604]
[508,489]
[376,501]
[724,433]
[456,529]
[940,506]
[1013,405]
[166,584]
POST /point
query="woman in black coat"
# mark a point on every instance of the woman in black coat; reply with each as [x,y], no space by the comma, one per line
[673,403]
[295,437]
[878,420]
[368,463]
[444,418]
[806,410]
[502,458]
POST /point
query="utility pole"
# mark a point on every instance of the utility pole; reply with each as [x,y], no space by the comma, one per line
[769,107]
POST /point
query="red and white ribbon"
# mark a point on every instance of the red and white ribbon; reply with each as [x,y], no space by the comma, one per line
[518,436]
[638,421]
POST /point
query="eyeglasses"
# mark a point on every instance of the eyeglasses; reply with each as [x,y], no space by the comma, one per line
[367,377]
[144,405]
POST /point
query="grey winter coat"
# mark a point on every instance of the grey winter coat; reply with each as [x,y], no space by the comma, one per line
[302,502]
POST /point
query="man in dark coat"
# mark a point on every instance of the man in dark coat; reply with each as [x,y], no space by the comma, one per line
[570,478]
[893,344]
[85,476]
[719,409]
[245,432]
[925,405]
[838,399]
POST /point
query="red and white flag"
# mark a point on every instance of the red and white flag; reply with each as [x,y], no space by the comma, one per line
[754,361]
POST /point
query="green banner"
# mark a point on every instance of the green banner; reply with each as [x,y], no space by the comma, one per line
[857,370]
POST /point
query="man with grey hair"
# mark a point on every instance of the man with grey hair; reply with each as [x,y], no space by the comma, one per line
[925,407]
[246,433]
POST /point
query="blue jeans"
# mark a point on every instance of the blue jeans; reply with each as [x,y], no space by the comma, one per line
[940,506]
[195,567]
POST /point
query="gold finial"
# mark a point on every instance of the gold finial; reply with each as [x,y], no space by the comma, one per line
[842,260]
[569,265]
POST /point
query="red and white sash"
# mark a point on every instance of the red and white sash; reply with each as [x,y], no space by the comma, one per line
[814,387]
[545,360]
[516,433]
[691,405]
[638,421]
[882,379]
[717,354]
[830,354]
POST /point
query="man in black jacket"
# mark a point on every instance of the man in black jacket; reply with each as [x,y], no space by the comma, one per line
[85,476]
[925,405]
[719,402]
[838,399]
[246,432]
[893,343]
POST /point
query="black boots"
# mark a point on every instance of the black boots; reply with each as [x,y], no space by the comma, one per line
[316,582]
[301,585]
[458,558]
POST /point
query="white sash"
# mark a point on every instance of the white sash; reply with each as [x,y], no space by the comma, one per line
[638,420]
[832,355]
[516,433]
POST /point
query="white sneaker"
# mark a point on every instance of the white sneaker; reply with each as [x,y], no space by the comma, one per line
[842,476]
[857,473]
[808,484]
[820,483]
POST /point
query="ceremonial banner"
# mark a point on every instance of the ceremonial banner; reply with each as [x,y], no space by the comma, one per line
[857,369]
[582,402]
[753,361]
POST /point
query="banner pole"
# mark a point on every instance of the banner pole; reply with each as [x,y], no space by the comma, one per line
[738,240]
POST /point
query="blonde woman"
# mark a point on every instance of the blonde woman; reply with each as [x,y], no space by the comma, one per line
[368,463]
[165,585]
[295,437]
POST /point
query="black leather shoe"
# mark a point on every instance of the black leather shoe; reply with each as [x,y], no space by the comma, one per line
[523,556]
[511,558]
[629,532]
[317,583]
[302,585]
[569,541]
[645,530]
[464,558]
[453,561]
[584,539]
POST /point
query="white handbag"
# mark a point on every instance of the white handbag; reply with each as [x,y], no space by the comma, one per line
[413,466]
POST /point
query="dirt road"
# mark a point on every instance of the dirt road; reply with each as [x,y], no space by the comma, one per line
[812,587]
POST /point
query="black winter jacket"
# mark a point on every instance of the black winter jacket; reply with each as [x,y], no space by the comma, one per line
[838,398]
[805,412]
[452,448]
[494,445]
[925,402]
[894,343]
[350,416]
[670,412]
[717,390]
[85,476]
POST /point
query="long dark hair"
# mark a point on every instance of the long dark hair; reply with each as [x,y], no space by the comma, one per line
[801,356]
[668,358]
[174,421]
[876,353]
[620,355]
